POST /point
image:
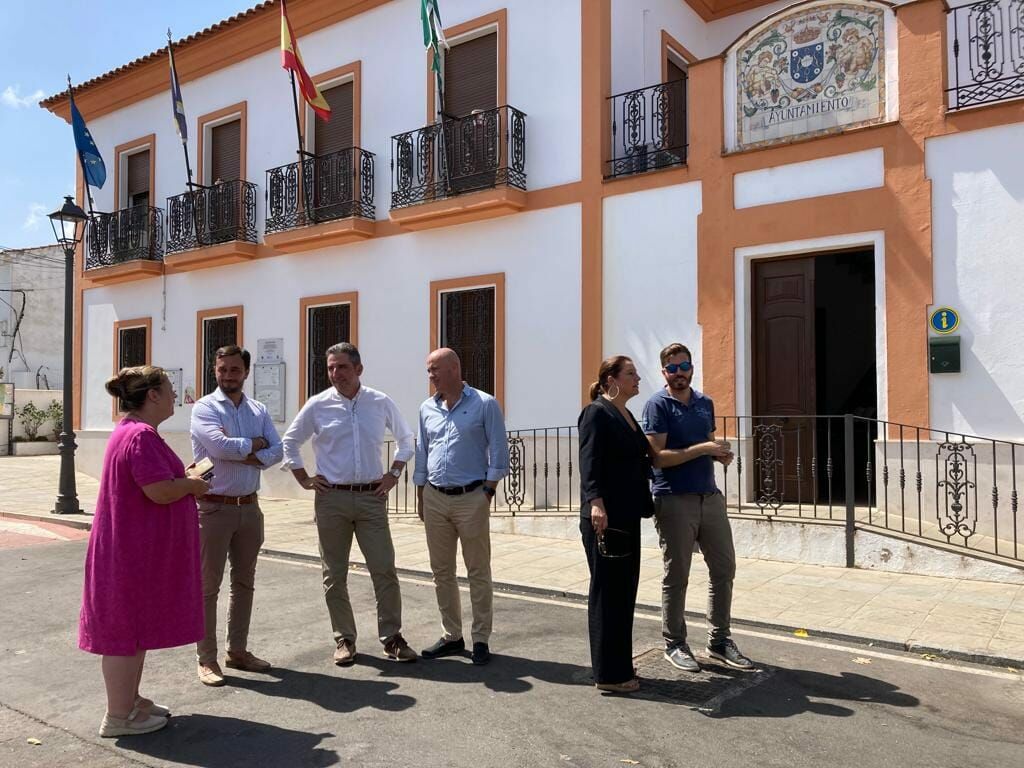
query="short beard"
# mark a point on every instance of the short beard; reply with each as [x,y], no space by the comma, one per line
[230,390]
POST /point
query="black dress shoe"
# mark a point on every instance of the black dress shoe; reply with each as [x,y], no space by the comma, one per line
[481,654]
[444,648]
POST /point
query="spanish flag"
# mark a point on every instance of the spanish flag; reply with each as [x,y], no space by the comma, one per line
[292,60]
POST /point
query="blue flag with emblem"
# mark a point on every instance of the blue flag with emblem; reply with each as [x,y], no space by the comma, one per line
[92,163]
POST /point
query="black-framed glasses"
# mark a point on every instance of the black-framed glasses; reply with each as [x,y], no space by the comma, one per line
[685,366]
[602,544]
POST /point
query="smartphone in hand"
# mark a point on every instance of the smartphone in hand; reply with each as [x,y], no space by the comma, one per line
[203,469]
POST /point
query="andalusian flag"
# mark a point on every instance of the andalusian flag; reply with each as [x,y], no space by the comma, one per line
[180,121]
[292,60]
[433,32]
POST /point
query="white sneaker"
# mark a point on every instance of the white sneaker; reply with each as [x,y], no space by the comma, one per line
[129,726]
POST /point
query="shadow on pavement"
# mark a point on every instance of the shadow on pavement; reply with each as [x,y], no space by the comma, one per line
[790,692]
[223,742]
[333,693]
[505,674]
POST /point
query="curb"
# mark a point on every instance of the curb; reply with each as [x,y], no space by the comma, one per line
[578,597]
[82,525]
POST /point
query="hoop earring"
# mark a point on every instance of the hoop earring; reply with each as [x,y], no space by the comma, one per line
[617,392]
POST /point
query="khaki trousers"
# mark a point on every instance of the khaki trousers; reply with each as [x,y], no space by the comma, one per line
[235,534]
[681,520]
[340,515]
[465,519]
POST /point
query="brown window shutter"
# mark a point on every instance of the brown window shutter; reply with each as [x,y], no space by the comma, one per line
[675,138]
[326,326]
[467,326]
[131,347]
[335,134]
[675,72]
[226,152]
[217,332]
[471,76]
[137,185]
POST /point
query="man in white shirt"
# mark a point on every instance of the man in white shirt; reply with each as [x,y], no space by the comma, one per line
[346,423]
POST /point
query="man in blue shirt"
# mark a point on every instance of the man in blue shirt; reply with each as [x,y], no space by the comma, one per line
[237,434]
[679,423]
[461,454]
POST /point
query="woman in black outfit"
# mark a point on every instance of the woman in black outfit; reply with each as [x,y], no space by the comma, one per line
[615,485]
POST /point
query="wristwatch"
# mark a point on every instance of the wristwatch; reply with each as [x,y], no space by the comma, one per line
[396,472]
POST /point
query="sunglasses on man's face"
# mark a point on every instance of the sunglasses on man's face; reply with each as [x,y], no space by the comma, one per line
[684,366]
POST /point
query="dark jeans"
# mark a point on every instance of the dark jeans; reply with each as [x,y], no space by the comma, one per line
[613,586]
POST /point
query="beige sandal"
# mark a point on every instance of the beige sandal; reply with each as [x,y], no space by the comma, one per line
[129,726]
[630,686]
[146,705]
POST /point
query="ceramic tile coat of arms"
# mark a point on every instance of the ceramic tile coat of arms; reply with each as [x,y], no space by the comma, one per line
[815,70]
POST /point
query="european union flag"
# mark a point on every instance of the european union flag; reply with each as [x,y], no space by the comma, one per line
[176,102]
[92,164]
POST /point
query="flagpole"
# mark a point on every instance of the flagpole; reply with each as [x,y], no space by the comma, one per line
[302,146]
[184,142]
[81,162]
[444,148]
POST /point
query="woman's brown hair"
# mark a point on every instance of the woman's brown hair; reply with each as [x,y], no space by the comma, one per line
[130,385]
[610,368]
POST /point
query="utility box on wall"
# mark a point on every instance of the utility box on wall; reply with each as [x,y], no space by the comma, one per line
[944,354]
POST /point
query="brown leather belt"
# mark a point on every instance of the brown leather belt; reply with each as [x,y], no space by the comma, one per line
[233,501]
[359,488]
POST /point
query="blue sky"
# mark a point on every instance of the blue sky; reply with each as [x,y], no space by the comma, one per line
[44,40]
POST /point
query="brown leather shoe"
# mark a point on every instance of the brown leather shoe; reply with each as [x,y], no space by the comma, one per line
[397,649]
[345,653]
[210,674]
[246,661]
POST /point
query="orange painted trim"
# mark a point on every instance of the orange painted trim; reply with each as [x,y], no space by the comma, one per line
[496,281]
[669,43]
[207,314]
[497,19]
[131,147]
[595,144]
[129,271]
[241,109]
[315,236]
[233,252]
[352,299]
[241,37]
[474,206]
[712,10]
[337,76]
[120,325]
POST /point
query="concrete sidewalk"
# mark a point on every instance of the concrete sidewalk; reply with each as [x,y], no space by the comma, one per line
[973,620]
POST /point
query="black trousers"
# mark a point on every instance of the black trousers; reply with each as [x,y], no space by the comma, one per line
[613,586]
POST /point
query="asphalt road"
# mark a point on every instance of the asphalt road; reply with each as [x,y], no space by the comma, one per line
[813,703]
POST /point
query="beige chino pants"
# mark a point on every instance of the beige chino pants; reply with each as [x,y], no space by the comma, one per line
[340,515]
[449,521]
[228,533]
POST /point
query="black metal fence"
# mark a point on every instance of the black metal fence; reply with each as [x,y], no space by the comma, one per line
[863,474]
[459,155]
[129,234]
[321,188]
[211,215]
[988,52]
[648,129]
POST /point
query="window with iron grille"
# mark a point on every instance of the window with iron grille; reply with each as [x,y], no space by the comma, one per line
[467,326]
[131,347]
[217,332]
[326,326]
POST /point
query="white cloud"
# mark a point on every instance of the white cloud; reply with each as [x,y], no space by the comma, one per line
[36,213]
[11,97]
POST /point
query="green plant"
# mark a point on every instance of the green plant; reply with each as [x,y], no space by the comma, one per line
[31,419]
[55,413]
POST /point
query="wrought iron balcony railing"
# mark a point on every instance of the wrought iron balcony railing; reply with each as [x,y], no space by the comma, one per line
[458,155]
[988,52]
[648,129]
[211,215]
[321,188]
[129,234]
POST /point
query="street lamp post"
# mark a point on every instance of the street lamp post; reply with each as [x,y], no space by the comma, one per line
[67,228]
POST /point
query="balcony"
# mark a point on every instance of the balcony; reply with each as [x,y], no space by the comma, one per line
[988,53]
[648,129]
[460,169]
[124,245]
[321,200]
[211,226]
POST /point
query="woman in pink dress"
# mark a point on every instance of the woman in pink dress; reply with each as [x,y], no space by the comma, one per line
[142,575]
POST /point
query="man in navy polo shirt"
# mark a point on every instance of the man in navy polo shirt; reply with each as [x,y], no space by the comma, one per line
[679,423]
